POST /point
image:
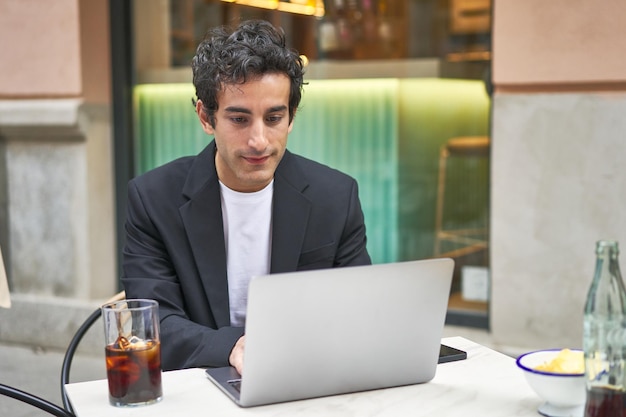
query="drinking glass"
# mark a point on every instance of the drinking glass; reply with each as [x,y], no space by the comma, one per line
[133,352]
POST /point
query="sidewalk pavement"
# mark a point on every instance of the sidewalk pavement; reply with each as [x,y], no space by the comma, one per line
[38,372]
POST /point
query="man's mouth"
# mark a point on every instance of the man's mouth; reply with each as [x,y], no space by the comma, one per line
[256,160]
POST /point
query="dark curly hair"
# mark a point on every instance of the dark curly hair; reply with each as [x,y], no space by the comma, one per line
[232,56]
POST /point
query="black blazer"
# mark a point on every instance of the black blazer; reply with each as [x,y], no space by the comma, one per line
[175,250]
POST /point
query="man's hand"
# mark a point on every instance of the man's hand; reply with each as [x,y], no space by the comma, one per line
[236,355]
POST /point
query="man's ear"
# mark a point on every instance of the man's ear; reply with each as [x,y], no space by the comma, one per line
[204,118]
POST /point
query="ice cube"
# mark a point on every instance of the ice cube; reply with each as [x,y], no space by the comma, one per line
[136,343]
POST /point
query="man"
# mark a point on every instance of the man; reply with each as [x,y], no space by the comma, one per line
[200,227]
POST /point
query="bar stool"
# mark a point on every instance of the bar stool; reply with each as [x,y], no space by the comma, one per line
[466,240]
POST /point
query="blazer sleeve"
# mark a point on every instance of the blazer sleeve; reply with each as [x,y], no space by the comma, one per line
[149,272]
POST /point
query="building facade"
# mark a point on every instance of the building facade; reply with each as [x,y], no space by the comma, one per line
[559,96]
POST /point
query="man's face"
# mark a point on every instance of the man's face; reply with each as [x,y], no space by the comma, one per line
[251,128]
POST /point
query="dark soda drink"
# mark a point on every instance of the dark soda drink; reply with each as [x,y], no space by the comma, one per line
[134,373]
[605,402]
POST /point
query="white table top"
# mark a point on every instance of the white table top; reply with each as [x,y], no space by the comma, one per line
[486,384]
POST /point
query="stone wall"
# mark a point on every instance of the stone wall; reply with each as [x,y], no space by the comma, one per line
[557,186]
[557,162]
[57,228]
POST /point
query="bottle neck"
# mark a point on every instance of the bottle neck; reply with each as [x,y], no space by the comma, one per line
[607,294]
[607,258]
[607,249]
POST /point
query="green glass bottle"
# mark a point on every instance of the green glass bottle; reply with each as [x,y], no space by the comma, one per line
[604,336]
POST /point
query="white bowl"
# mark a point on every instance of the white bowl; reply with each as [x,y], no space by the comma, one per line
[560,391]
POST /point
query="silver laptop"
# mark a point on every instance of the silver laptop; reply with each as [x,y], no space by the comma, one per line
[332,331]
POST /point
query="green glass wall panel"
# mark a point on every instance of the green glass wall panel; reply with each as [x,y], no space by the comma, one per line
[166,124]
[351,125]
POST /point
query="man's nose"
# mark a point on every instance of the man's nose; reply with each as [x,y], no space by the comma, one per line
[258,136]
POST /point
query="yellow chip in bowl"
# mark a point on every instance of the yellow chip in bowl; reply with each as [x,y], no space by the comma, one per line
[565,362]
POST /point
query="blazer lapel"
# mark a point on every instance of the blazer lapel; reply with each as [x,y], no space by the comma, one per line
[202,217]
[290,215]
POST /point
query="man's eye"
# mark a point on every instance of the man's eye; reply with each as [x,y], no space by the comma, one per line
[274,119]
[238,120]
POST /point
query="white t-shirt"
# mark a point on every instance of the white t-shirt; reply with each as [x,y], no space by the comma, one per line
[247,233]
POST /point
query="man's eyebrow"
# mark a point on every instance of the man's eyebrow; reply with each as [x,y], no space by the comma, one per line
[235,109]
[275,109]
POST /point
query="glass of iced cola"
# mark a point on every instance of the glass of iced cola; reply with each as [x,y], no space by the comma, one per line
[133,352]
